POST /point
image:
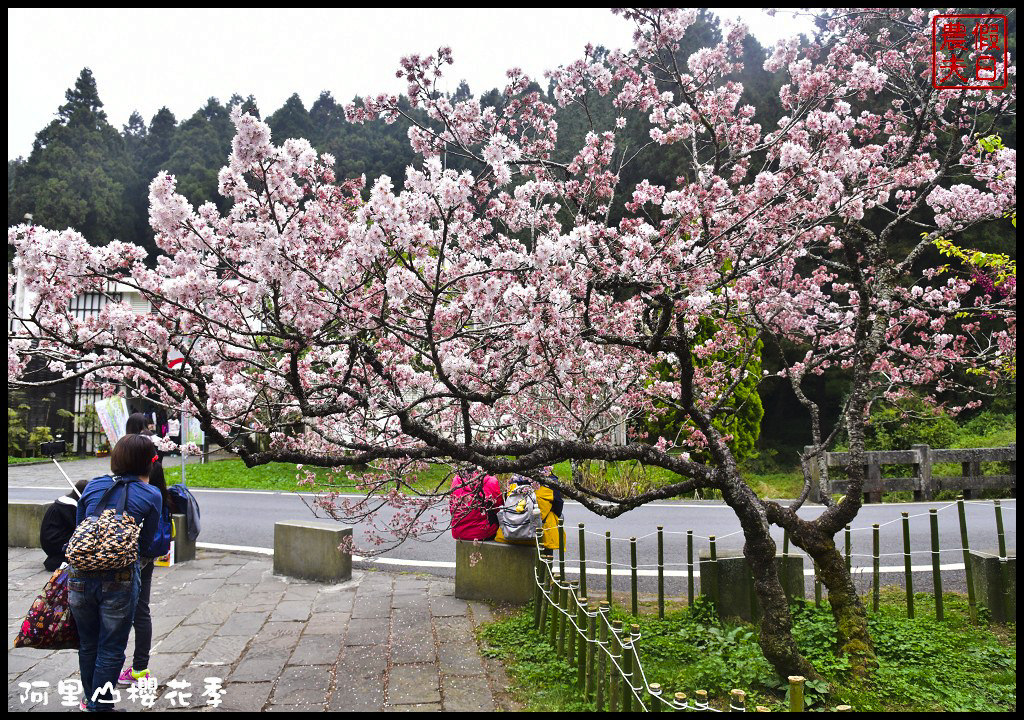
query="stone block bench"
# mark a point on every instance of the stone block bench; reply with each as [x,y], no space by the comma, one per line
[502,573]
[24,519]
[989,576]
[309,550]
[729,582]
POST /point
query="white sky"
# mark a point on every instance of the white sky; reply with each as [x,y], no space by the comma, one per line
[145,59]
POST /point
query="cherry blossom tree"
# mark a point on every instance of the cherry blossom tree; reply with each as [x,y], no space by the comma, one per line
[497,316]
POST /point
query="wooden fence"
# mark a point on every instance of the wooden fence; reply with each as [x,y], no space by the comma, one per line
[923,483]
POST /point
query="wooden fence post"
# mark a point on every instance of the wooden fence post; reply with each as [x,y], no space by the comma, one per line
[661,573]
[633,584]
[608,565]
[924,473]
[873,487]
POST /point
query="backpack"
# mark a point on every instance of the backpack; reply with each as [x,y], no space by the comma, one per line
[108,539]
[188,506]
[519,515]
[49,624]
[164,533]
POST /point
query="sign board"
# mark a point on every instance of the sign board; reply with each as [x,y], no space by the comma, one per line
[113,415]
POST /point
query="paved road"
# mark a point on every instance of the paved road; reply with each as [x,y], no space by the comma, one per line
[247,517]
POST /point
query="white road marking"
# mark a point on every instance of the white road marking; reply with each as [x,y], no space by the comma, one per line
[572,569]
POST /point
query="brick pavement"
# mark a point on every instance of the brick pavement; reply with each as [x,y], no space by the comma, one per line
[382,641]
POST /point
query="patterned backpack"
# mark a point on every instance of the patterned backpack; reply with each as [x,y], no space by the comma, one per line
[107,540]
[49,624]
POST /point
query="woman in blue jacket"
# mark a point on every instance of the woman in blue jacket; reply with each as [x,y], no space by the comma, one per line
[103,602]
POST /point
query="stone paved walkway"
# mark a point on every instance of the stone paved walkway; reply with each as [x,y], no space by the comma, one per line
[382,641]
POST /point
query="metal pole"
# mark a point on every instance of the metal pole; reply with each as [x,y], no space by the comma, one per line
[713,568]
[933,519]
[181,447]
[971,600]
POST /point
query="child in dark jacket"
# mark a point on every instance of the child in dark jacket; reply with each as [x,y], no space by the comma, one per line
[58,525]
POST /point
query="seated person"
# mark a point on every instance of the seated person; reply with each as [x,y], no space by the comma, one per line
[58,525]
[473,503]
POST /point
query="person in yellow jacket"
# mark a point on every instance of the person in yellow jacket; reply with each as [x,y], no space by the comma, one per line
[550,503]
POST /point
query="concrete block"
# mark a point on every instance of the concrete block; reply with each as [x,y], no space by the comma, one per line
[24,518]
[988,585]
[730,583]
[503,573]
[184,549]
[309,550]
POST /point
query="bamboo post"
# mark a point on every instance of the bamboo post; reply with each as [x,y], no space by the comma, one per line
[713,567]
[546,580]
[538,591]
[627,675]
[738,701]
[661,573]
[633,583]
[933,519]
[785,564]
[817,587]
[570,626]
[1004,572]
[581,644]
[971,600]
[614,647]
[700,700]
[689,568]
[556,602]
[561,547]
[602,662]
[680,702]
[563,617]
[796,693]
[908,571]
[583,563]
[847,543]
[608,565]
[589,663]
[654,690]
[875,561]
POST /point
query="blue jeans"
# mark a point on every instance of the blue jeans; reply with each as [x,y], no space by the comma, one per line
[103,605]
[143,621]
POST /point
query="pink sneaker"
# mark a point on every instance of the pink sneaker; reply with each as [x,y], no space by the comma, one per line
[126,677]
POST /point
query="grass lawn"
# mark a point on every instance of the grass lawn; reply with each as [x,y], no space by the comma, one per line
[924,665]
[20,460]
[282,476]
[233,473]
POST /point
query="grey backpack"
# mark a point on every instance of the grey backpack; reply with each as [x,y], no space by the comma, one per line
[519,515]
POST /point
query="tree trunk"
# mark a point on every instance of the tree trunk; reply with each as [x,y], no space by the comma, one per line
[776,634]
[851,617]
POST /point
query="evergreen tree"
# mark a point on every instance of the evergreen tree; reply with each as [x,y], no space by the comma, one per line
[79,173]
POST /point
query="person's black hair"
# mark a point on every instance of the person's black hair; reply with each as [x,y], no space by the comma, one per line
[156,479]
[135,424]
[133,455]
[80,487]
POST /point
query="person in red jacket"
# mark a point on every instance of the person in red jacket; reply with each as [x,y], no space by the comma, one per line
[474,501]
